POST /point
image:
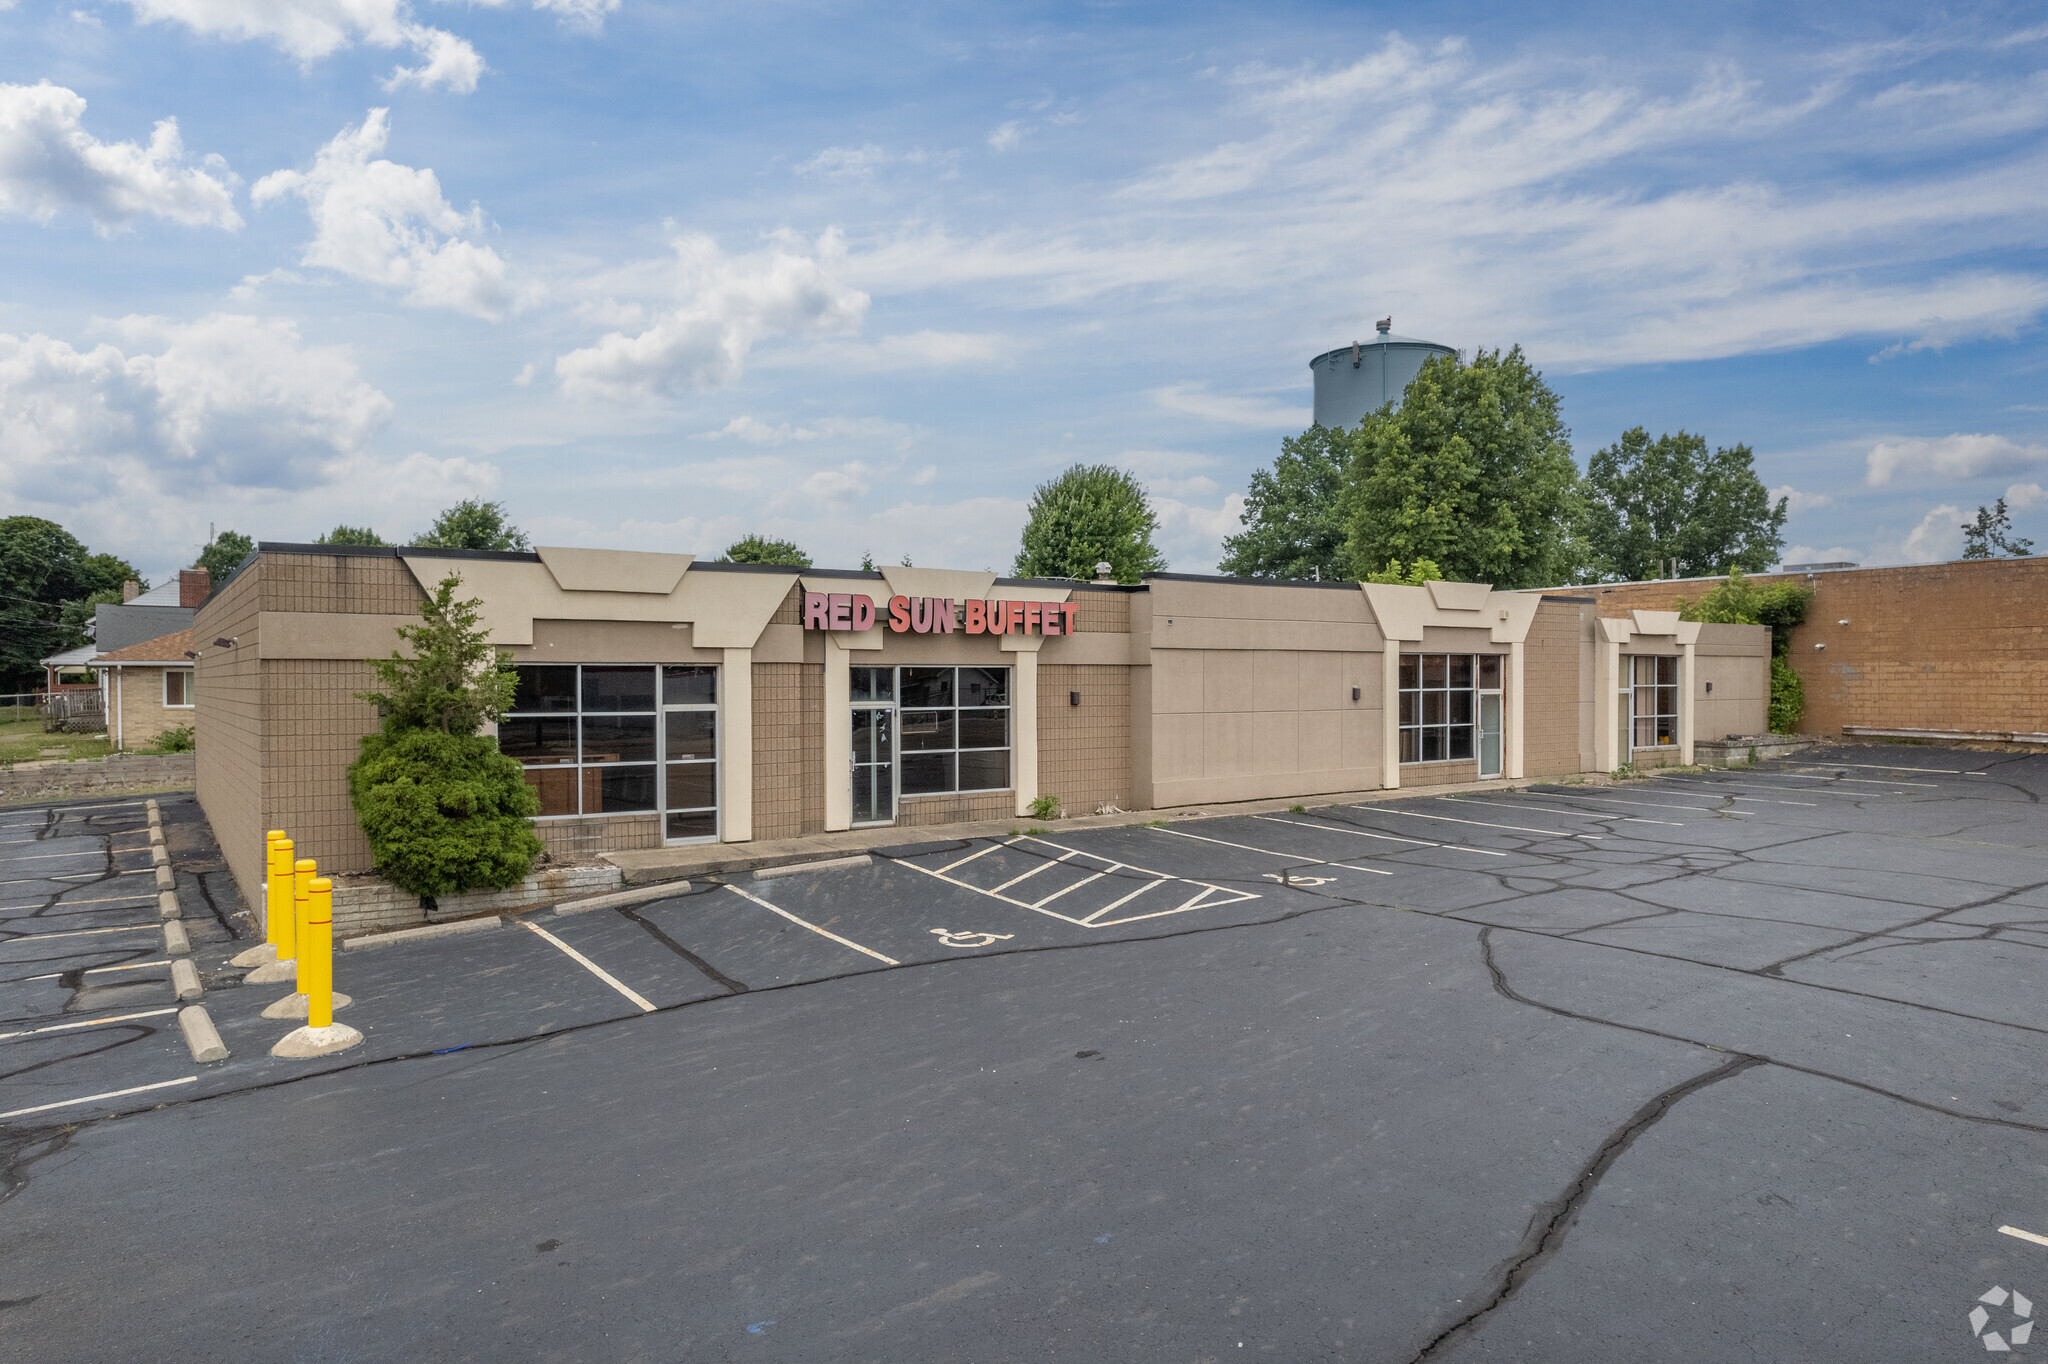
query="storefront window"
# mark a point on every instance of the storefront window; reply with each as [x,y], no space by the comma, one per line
[1656,701]
[1437,704]
[953,729]
[591,738]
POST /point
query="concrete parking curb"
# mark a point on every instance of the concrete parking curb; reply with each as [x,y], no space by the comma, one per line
[821,864]
[201,1037]
[638,896]
[406,935]
[156,834]
[164,879]
[159,855]
[177,941]
[167,905]
[153,808]
[185,979]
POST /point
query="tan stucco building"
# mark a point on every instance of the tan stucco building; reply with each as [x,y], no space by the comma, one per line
[666,700]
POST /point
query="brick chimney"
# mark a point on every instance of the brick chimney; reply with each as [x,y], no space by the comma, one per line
[130,590]
[194,585]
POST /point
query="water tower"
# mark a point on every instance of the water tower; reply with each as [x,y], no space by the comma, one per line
[1364,376]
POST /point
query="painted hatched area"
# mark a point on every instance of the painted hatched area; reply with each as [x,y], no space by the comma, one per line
[1082,888]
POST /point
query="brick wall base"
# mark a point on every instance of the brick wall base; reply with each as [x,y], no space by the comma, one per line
[100,776]
[370,904]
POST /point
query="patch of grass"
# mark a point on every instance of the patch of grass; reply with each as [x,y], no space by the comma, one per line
[1626,772]
[1297,809]
[22,740]
[1034,831]
[1155,824]
[183,739]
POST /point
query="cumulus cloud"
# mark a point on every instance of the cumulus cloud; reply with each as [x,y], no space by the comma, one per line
[585,15]
[843,162]
[1797,502]
[754,431]
[49,163]
[2023,495]
[229,400]
[1006,136]
[1937,538]
[906,351]
[311,29]
[1196,401]
[722,306]
[1955,456]
[378,221]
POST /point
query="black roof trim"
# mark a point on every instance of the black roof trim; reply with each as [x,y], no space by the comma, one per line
[866,575]
[516,556]
[1252,582]
[1074,584]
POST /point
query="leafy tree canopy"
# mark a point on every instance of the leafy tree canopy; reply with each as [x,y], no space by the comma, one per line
[224,554]
[1473,471]
[1991,535]
[474,524]
[1651,501]
[48,581]
[759,549]
[1782,606]
[351,535]
[1414,574]
[456,681]
[1092,513]
[1293,527]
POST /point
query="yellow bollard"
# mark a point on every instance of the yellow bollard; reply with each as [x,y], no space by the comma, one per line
[280,922]
[303,872]
[316,954]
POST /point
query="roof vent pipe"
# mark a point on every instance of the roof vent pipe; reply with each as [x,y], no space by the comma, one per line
[1385,325]
[1105,572]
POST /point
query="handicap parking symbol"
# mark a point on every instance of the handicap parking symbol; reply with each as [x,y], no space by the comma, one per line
[965,939]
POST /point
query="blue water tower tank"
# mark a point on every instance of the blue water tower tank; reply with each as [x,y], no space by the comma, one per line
[1364,376]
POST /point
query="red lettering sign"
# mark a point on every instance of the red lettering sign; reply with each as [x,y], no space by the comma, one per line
[815,607]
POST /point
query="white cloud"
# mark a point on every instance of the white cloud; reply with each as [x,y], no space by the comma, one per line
[584,15]
[754,431]
[1191,534]
[1197,401]
[723,305]
[1006,136]
[384,223]
[905,351]
[50,163]
[311,29]
[843,162]
[1834,554]
[1938,537]
[1797,502]
[2022,495]
[1955,456]
[227,401]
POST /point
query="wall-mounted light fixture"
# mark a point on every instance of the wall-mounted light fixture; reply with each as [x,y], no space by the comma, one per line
[1073,698]
[1820,646]
[1354,693]
[1710,689]
[1841,622]
[225,643]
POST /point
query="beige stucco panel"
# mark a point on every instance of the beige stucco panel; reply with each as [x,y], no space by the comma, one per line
[1277,744]
[780,644]
[1253,601]
[1227,681]
[1405,612]
[331,635]
[614,570]
[1450,596]
[729,610]
[1213,632]
[958,584]
[1400,610]
[1177,682]
[1276,680]
[1178,746]
[1093,646]
[1230,741]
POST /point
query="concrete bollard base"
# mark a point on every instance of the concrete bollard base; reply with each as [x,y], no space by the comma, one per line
[298,1006]
[262,954]
[304,1043]
[167,905]
[274,973]
[164,879]
[185,979]
[177,941]
[200,1035]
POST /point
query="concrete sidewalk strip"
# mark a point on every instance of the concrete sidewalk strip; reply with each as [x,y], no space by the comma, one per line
[639,895]
[406,935]
[201,1037]
[821,864]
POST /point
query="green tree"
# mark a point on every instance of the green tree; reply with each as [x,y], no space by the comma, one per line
[1783,607]
[1092,513]
[474,524]
[351,535]
[48,580]
[1293,524]
[1991,535]
[1473,471]
[443,809]
[1651,501]
[1415,574]
[223,555]
[759,549]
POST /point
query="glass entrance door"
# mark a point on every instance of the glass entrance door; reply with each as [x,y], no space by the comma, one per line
[874,745]
[689,722]
[1489,715]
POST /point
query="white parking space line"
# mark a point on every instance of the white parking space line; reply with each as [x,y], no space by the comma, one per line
[95,970]
[1042,866]
[1746,785]
[1852,781]
[821,932]
[1479,823]
[971,856]
[2037,1239]
[1095,876]
[1269,852]
[1094,919]
[47,857]
[1522,802]
[88,1023]
[95,1098]
[1888,767]
[594,969]
[82,933]
[1383,837]
[62,876]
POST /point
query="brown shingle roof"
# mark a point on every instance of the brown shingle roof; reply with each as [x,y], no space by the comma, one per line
[169,648]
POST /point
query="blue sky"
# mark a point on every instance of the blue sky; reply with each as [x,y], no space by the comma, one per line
[657,275]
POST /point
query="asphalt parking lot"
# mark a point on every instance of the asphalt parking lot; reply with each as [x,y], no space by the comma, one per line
[1739,1066]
